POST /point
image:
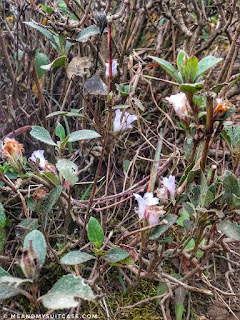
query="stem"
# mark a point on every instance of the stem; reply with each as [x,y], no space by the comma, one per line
[110,56]
[40,95]
[209,131]
[155,167]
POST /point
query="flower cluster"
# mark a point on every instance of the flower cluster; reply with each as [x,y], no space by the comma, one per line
[12,152]
[123,120]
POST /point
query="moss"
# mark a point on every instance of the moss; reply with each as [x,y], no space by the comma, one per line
[145,289]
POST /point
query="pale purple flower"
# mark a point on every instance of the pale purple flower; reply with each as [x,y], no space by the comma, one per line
[169,184]
[153,218]
[39,154]
[114,68]
[122,120]
[167,190]
[180,104]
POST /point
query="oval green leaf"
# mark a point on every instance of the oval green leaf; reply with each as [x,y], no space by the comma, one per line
[95,233]
[42,135]
[205,64]
[62,295]
[38,244]
[76,257]
[231,230]
[86,33]
[83,135]
[68,170]
[168,68]
[115,255]
[60,61]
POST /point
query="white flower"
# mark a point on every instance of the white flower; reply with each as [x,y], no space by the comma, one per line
[39,154]
[146,200]
[122,120]
[180,104]
[114,68]
[169,184]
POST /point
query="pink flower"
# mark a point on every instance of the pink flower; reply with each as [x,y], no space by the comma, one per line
[123,120]
[147,207]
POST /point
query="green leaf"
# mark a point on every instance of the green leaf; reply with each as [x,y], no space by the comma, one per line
[68,170]
[51,200]
[95,233]
[65,113]
[168,68]
[60,61]
[9,285]
[52,177]
[62,295]
[115,255]
[38,244]
[160,230]
[83,135]
[191,88]
[40,59]
[190,69]
[42,135]
[205,64]
[60,131]
[181,60]
[230,187]
[86,33]
[45,32]
[2,216]
[231,230]
[30,204]
[138,103]
[29,224]
[76,257]
[2,239]
[189,208]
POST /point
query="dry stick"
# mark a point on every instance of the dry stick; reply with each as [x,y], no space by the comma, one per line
[108,126]
[230,55]
[6,56]
[40,95]
[209,131]
[9,183]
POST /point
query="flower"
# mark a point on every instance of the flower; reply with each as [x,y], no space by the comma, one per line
[12,151]
[123,120]
[114,68]
[43,163]
[11,148]
[167,190]
[180,104]
[147,207]
[221,107]
[169,184]
[39,154]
